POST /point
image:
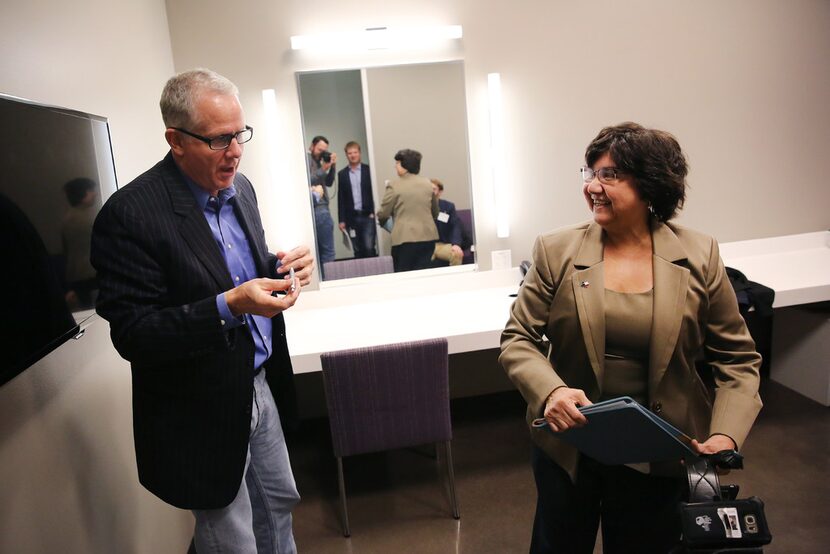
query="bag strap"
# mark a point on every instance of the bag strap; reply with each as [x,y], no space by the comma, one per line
[704,484]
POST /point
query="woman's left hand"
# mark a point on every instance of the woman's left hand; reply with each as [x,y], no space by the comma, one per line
[714,444]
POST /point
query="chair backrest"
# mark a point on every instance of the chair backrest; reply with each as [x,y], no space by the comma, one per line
[387,397]
[358,267]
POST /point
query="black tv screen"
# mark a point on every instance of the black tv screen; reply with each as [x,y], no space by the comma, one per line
[56,169]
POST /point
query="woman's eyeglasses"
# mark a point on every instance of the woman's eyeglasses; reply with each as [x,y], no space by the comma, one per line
[606,175]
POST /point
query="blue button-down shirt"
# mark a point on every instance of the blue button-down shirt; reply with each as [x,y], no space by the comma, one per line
[232,242]
[357,193]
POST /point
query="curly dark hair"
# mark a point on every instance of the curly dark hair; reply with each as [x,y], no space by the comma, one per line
[652,157]
[410,160]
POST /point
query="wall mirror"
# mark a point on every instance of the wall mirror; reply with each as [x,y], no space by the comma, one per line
[383,109]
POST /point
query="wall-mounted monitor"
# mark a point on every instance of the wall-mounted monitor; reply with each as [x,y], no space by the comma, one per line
[56,170]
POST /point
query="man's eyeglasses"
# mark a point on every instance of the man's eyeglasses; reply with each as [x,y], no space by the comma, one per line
[606,175]
[222,141]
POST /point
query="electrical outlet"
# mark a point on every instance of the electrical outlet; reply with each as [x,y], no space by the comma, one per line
[501,259]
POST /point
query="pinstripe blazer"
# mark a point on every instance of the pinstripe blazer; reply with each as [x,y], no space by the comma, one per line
[159,270]
[695,318]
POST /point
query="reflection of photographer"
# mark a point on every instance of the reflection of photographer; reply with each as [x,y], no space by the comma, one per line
[321,170]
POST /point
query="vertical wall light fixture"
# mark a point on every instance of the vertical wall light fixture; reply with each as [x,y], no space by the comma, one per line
[501,197]
[287,224]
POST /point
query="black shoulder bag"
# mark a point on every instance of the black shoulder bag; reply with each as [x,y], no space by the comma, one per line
[713,520]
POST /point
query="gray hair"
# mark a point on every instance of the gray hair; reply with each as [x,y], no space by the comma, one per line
[182,91]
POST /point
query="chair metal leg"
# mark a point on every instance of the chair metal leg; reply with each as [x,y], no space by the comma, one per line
[451,478]
[344,512]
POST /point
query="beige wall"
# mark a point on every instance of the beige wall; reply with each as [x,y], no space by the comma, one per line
[69,481]
[106,58]
[742,84]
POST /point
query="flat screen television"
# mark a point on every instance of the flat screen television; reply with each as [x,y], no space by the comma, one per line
[56,169]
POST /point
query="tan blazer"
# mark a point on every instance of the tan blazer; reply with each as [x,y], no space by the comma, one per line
[695,317]
[410,201]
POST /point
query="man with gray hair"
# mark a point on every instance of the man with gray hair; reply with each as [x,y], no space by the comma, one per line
[191,294]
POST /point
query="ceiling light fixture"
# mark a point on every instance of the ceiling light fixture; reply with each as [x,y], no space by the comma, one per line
[379,38]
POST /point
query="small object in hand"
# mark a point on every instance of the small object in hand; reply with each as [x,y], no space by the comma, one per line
[292,288]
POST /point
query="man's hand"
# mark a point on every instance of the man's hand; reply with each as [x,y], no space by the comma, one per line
[254,297]
[327,165]
[301,260]
[342,226]
[561,409]
[457,251]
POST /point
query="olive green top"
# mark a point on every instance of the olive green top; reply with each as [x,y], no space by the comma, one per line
[627,336]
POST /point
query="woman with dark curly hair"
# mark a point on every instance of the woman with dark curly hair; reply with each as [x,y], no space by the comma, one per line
[628,303]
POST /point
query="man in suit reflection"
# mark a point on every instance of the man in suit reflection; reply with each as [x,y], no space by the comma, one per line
[321,170]
[35,300]
[186,282]
[448,248]
[355,205]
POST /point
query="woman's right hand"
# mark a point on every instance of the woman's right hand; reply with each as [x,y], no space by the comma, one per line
[561,409]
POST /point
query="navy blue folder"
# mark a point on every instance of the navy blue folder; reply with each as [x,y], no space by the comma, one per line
[621,431]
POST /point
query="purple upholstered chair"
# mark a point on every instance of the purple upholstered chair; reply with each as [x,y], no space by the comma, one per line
[388,397]
[358,267]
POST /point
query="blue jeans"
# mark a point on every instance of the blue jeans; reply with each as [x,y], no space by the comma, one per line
[363,240]
[324,227]
[259,518]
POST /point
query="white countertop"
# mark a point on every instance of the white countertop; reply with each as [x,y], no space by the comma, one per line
[470,308]
[797,267]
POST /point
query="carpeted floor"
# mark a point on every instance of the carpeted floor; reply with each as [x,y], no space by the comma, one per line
[398,502]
